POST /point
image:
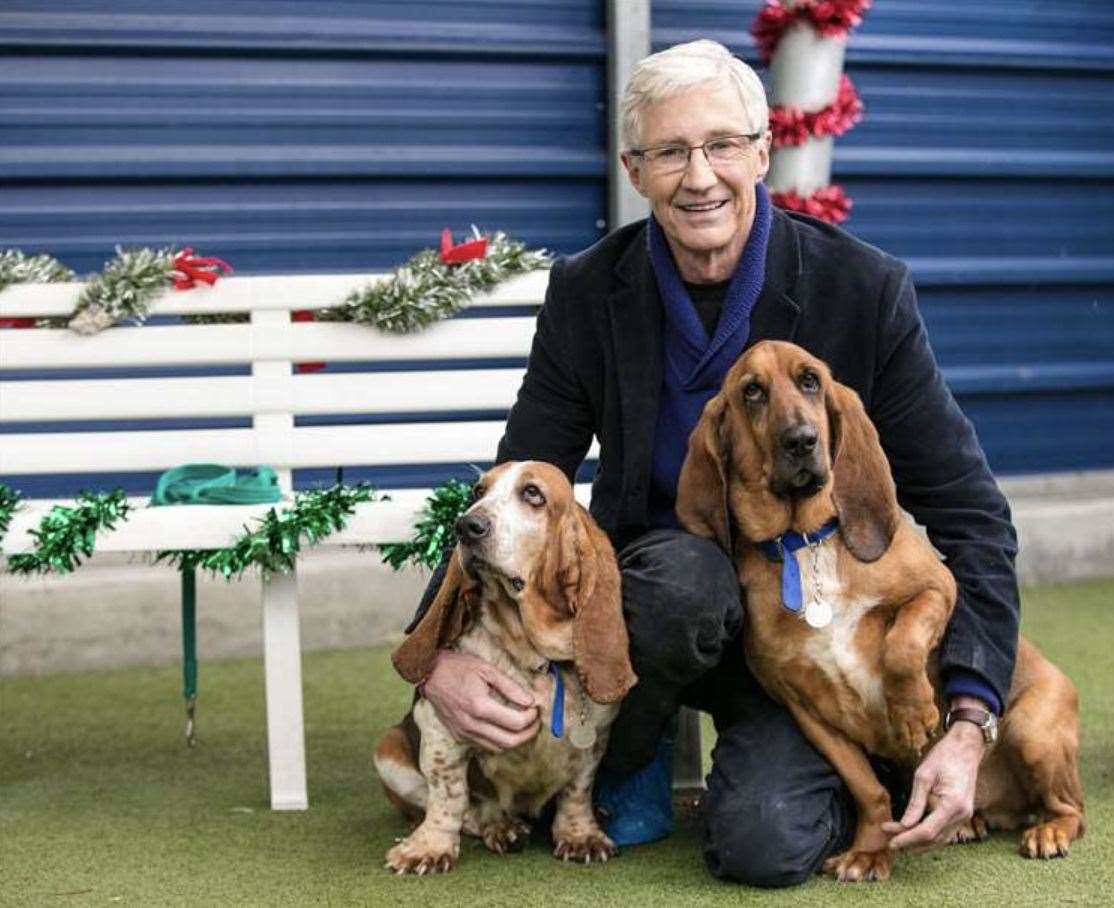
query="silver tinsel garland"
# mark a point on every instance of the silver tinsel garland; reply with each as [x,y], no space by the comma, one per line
[19,268]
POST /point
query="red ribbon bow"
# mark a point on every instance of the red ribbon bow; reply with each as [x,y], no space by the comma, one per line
[464,252]
[190,268]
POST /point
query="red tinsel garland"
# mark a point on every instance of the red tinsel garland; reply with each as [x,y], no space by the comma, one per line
[792,126]
[829,204]
[831,18]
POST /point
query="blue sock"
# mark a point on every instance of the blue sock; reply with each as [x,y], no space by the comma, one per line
[640,805]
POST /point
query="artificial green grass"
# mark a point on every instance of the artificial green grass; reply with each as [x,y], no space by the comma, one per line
[101,802]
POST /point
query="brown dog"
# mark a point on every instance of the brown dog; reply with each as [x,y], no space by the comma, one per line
[533,589]
[782,448]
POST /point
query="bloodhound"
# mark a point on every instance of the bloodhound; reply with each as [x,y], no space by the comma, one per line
[533,589]
[785,450]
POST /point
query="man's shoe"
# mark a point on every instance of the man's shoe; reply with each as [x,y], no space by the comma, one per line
[638,808]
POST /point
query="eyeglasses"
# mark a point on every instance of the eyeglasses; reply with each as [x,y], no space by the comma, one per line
[721,151]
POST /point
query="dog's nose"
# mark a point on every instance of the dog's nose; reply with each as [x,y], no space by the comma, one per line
[473,527]
[800,440]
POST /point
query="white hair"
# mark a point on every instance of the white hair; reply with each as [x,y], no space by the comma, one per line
[676,69]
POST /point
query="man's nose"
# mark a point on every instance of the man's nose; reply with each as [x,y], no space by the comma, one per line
[473,527]
[799,441]
[699,173]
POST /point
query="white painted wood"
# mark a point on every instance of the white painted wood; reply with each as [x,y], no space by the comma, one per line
[149,529]
[175,345]
[282,660]
[245,294]
[322,393]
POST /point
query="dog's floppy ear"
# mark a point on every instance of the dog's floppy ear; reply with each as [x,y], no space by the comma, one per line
[444,621]
[863,489]
[588,576]
[702,487]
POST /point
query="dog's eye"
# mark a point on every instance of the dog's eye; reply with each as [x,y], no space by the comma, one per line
[477,493]
[532,495]
[808,382]
[754,392]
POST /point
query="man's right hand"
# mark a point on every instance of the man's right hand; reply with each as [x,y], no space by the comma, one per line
[462,690]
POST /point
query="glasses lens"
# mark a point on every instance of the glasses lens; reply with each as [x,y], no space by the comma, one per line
[726,150]
[667,158]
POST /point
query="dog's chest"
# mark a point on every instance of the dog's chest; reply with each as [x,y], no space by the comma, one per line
[837,650]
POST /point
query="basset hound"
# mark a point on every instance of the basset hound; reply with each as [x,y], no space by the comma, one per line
[843,625]
[533,589]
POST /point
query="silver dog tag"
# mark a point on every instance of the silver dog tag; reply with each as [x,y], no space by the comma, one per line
[818,613]
[582,736]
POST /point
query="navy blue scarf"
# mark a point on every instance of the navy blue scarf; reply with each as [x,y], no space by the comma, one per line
[695,364]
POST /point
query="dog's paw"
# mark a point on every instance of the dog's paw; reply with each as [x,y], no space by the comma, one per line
[585,849]
[1046,840]
[974,830]
[913,724]
[505,834]
[859,866]
[421,854]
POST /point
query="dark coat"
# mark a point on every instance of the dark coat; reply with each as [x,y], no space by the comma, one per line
[596,370]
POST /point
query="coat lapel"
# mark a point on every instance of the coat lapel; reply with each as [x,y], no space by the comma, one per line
[636,327]
[776,314]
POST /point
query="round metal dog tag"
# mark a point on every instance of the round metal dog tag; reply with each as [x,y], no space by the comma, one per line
[818,613]
[582,736]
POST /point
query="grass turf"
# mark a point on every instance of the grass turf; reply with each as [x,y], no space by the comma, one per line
[101,803]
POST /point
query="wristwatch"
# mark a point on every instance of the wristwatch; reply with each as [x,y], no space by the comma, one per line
[983,718]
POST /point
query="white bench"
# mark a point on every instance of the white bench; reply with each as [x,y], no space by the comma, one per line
[272,395]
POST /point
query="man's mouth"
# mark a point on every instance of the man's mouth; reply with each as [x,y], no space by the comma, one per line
[703,207]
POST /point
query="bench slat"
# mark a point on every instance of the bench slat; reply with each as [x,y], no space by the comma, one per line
[311,446]
[217,396]
[176,345]
[246,294]
[216,526]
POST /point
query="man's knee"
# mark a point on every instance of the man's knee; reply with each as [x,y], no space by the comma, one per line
[681,594]
[766,844]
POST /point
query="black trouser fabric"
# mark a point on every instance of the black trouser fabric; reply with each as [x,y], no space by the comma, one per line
[774,808]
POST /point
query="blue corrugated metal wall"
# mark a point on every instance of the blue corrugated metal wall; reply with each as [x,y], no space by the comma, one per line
[985,160]
[293,136]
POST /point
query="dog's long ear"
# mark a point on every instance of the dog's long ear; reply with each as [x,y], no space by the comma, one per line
[589,578]
[863,489]
[444,621]
[702,487]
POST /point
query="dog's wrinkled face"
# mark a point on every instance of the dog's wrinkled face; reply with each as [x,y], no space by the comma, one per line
[778,394]
[509,538]
[503,535]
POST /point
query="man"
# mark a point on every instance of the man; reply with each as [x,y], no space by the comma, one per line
[636,333]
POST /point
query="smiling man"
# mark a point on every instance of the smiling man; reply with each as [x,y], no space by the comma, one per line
[636,335]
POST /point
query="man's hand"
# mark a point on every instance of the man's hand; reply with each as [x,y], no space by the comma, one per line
[944,784]
[463,690]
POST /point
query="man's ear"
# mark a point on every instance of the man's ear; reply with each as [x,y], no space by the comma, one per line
[862,486]
[764,154]
[634,172]
[702,487]
[444,621]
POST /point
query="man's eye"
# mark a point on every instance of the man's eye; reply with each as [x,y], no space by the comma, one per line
[808,382]
[532,495]
[668,154]
[754,392]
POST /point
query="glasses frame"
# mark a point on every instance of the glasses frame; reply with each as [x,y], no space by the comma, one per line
[642,152]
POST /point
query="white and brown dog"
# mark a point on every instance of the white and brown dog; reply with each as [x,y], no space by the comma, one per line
[533,589]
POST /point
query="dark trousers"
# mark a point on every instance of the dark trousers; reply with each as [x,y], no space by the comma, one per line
[774,808]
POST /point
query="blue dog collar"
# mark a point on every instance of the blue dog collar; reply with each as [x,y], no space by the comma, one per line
[557,722]
[782,548]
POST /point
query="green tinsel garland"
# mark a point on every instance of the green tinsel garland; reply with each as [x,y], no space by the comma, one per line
[123,290]
[275,544]
[67,533]
[426,290]
[435,531]
[9,504]
[19,268]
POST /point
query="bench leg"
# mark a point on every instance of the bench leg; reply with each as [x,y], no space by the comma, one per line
[688,770]
[282,658]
